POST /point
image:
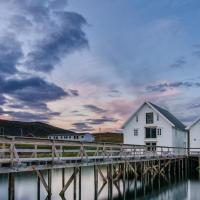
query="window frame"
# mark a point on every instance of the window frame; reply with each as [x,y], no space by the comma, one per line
[135,131]
[149,116]
[151,133]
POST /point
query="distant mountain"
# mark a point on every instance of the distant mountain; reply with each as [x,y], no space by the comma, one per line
[37,129]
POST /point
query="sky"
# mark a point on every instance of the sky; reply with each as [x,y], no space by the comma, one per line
[86,65]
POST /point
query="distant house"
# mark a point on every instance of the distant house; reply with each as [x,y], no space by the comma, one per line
[152,125]
[110,137]
[194,134]
[85,137]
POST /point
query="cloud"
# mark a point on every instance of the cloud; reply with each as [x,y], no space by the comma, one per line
[34,37]
[32,89]
[162,87]
[102,120]
[10,54]
[94,108]
[179,63]
[196,51]
[30,93]
[29,116]
[64,36]
[74,92]
[82,127]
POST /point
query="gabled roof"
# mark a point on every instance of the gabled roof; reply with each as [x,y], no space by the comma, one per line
[193,123]
[177,123]
[164,113]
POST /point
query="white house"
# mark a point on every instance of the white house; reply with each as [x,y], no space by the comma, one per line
[194,134]
[84,137]
[153,125]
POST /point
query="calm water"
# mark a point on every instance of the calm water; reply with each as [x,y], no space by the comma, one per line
[181,188]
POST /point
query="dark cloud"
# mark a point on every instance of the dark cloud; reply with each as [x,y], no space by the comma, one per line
[179,63]
[102,120]
[64,37]
[2,100]
[74,92]
[162,87]
[30,93]
[94,108]
[10,54]
[35,35]
[28,116]
[82,127]
[32,89]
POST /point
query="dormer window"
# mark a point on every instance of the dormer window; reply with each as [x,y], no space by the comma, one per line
[149,118]
[136,118]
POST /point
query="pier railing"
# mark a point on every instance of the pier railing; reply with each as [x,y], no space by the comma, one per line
[16,151]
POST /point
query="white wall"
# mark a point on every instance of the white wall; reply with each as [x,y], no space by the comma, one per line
[195,136]
[179,138]
[166,136]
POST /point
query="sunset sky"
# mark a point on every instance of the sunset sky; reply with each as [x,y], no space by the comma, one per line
[87,65]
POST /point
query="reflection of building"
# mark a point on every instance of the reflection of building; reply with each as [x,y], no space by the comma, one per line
[72,136]
[153,125]
[193,188]
[194,133]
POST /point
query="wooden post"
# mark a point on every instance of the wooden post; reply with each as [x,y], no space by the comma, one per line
[38,188]
[110,180]
[124,180]
[74,184]
[49,181]
[63,177]
[11,186]
[79,183]
[95,182]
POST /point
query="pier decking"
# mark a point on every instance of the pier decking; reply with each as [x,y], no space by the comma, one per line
[19,154]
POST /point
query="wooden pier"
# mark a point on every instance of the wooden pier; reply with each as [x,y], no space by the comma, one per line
[122,161]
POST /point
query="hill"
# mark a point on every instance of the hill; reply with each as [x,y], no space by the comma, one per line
[108,137]
[37,129]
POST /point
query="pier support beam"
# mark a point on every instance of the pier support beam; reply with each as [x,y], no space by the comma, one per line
[95,182]
[11,186]
[72,178]
[79,183]
[47,185]
[110,180]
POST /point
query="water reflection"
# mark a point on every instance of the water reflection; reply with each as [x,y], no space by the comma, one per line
[161,187]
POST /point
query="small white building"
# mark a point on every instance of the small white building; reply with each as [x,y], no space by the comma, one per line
[84,137]
[154,126]
[194,135]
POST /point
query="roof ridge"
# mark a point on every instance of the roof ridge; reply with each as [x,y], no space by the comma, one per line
[172,118]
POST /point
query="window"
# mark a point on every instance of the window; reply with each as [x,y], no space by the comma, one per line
[149,118]
[150,132]
[159,131]
[136,118]
[135,131]
[157,117]
[151,146]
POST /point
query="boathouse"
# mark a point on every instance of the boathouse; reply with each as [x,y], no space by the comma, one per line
[194,134]
[154,126]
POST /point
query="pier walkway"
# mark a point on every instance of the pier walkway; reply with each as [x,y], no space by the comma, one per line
[18,154]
